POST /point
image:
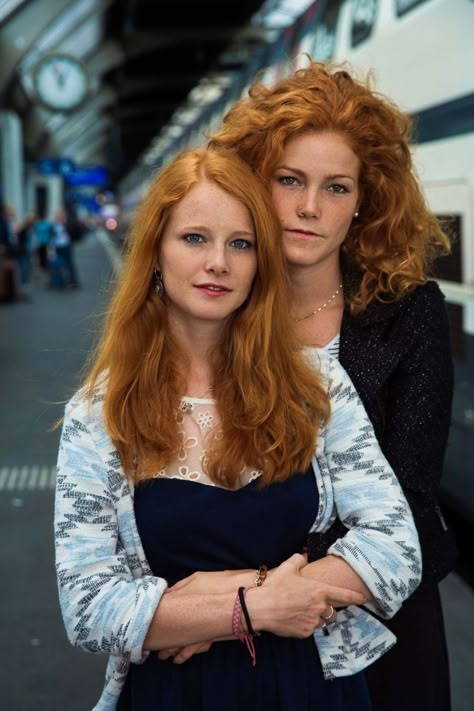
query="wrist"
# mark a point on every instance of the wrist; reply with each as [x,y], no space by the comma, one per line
[257,600]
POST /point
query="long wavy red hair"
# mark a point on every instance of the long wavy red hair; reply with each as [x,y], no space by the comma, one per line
[270,401]
[396,236]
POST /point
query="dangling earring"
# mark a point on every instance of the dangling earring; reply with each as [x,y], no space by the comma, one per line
[356,214]
[158,283]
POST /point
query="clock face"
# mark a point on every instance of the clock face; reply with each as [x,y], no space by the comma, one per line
[60,82]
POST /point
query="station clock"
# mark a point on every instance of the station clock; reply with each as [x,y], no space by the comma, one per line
[60,82]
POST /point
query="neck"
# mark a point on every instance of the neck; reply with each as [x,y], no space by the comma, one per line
[312,286]
[197,341]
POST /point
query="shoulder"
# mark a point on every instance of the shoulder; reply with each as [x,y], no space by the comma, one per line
[425,295]
[425,301]
[86,408]
[332,373]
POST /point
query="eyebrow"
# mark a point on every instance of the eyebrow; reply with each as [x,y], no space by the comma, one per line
[204,228]
[336,176]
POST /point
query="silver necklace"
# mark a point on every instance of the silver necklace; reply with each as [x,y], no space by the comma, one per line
[320,308]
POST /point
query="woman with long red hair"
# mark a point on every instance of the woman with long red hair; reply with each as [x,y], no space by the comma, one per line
[201,449]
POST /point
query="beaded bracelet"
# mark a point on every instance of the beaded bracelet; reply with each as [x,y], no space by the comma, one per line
[260,575]
[236,629]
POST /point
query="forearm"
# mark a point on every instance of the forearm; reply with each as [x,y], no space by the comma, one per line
[287,604]
[335,571]
[185,618]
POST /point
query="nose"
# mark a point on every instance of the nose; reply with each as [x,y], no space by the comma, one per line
[217,260]
[309,205]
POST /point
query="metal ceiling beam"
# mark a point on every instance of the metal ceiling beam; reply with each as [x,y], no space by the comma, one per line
[130,86]
[141,42]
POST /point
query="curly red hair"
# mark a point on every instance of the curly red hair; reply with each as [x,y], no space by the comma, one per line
[396,236]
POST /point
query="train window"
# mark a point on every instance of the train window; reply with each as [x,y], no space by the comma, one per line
[449,268]
[364,13]
[404,6]
[325,35]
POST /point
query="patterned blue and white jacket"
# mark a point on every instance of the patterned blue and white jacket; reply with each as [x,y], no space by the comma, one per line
[108,593]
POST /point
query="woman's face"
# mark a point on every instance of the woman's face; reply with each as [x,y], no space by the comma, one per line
[207,256]
[315,190]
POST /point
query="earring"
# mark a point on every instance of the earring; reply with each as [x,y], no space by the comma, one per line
[158,283]
[356,214]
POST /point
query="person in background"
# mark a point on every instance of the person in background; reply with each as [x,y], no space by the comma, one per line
[64,250]
[359,239]
[43,239]
[203,446]
[10,287]
[25,248]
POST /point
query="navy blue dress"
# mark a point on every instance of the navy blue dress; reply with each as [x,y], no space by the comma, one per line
[187,526]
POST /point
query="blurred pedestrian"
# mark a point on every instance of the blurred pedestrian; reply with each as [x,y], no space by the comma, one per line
[63,252]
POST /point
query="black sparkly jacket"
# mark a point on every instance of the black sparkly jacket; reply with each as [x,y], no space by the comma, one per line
[398,356]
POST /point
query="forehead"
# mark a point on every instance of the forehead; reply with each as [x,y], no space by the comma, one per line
[329,150]
[208,203]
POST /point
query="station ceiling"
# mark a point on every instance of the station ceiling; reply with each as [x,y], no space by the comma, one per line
[142,58]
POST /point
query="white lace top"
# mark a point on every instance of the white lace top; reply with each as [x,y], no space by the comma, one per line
[197,419]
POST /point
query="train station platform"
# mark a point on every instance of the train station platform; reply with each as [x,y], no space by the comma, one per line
[44,343]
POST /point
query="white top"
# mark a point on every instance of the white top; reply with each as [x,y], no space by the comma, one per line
[198,421]
[61,237]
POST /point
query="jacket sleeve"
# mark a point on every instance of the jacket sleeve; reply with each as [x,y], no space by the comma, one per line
[381,544]
[104,607]
[417,420]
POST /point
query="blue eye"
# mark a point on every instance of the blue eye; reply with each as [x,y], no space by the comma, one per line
[241,244]
[193,238]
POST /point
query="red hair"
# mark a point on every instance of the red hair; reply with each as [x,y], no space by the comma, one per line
[270,401]
[396,236]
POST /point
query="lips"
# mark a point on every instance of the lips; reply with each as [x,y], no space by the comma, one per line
[302,233]
[212,288]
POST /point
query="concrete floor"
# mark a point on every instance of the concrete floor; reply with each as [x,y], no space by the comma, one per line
[44,342]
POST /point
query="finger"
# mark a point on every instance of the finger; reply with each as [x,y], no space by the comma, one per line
[338,597]
[187,652]
[167,653]
[296,561]
[329,615]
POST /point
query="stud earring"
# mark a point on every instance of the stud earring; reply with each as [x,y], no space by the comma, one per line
[356,214]
[158,283]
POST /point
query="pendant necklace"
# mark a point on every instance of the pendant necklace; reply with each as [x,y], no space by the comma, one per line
[188,407]
[320,308]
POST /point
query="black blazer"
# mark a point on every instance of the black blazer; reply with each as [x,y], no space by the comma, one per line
[398,355]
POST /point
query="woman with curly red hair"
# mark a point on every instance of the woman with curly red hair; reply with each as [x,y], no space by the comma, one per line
[359,239]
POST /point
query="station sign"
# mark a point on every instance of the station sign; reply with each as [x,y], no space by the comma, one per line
[55,166]
[88,175]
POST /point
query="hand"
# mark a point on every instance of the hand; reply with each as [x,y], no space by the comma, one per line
[291,605]
[182,654]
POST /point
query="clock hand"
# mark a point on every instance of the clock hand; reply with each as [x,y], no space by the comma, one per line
[61,75]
